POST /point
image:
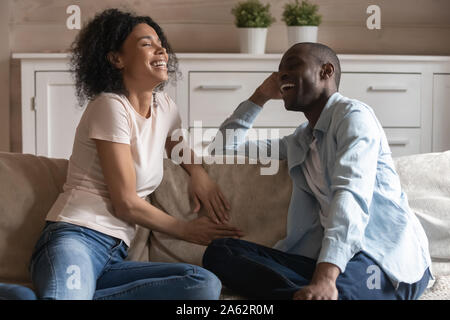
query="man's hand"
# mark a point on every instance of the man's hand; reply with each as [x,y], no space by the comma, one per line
[323,284]
[269,89]
[323,290]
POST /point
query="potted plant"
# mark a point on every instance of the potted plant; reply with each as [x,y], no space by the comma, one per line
[252,19]
[302,21]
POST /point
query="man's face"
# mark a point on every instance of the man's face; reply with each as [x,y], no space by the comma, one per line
[299,78]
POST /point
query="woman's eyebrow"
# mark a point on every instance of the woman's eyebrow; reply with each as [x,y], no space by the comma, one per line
[148,37]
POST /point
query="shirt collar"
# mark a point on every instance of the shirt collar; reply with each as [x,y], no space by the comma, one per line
[323,122]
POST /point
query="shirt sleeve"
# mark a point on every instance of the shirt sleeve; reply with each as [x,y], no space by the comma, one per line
[175,118]
[353,177]
[231,136]
[108,120]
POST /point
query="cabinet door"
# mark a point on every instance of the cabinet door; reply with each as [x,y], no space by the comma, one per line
[57,114]
[441,112]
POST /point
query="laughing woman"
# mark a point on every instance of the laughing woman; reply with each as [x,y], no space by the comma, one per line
[120,62]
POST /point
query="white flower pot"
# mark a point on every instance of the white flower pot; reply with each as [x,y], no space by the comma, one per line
[298,34]
[253,40]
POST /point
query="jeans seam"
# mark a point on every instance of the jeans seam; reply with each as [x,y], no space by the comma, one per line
[52,268]
[146,284]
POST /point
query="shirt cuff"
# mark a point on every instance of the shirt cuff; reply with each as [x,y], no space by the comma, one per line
[247,111]
[336,253]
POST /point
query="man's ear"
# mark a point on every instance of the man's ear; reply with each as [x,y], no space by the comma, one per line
[115,60]
[327,71]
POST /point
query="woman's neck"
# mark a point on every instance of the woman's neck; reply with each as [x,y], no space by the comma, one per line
[141,101]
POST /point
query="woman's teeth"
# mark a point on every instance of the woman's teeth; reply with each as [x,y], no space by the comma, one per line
[159,64]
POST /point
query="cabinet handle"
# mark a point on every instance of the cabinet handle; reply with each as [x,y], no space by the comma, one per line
[400,142]
[220,87]
[388,88]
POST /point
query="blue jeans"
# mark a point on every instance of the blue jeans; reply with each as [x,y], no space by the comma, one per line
[16,292]
[73,262]
[260,272]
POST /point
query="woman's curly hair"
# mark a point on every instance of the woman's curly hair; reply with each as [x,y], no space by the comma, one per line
[106,33]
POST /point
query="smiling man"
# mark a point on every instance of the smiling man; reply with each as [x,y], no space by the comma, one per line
[349,221]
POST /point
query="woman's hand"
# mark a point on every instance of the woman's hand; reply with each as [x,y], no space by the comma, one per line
[205,191]
[202,231]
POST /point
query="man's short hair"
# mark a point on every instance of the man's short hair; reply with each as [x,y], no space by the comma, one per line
[325,54]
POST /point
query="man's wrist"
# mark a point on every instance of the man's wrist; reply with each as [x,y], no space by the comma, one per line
[258,98]
[325,272]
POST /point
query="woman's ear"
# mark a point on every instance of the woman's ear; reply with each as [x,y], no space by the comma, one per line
[115,60]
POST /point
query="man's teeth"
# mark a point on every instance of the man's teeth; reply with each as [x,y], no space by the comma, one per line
[158,64]
[287,86]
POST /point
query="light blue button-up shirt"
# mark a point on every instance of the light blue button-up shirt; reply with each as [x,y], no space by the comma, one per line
[368,210]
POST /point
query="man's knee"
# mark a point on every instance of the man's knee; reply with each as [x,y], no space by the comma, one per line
[216,252]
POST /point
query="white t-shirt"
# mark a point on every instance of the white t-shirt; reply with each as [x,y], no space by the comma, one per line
[315,177]
[86,200]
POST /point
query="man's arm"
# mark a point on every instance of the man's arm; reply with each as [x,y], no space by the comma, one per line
[232,132]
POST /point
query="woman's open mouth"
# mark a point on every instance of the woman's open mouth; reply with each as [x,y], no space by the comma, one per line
[159,64]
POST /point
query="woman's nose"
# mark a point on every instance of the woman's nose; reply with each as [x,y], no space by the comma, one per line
[160,49]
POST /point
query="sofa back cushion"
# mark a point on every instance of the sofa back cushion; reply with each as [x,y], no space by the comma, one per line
[425,179]
[260,206]
[29,185]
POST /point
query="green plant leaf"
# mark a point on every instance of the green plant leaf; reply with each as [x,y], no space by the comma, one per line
[304,14]
[252,14]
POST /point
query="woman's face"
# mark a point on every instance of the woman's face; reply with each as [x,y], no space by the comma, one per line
[142,59]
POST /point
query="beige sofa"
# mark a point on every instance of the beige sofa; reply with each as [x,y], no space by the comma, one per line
[29,185]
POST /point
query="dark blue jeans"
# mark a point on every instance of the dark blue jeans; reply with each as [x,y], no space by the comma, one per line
[260,272]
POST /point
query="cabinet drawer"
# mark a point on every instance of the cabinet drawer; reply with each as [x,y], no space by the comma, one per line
[213,96]
[395,98]
[403,141]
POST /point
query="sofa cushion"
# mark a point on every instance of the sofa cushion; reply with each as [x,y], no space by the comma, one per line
[263,205]
[29,186]
[425,178]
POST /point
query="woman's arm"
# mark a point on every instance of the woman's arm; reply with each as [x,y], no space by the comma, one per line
[202,188]
[120,177]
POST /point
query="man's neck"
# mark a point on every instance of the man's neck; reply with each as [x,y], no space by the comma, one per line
[317,107]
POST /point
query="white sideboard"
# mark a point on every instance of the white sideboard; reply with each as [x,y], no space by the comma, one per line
[409,94]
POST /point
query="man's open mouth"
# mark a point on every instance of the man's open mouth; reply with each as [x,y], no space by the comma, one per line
[287,86]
